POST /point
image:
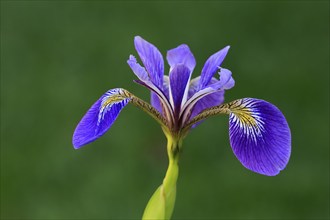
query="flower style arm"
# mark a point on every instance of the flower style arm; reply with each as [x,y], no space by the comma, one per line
[259,134]
[103,113]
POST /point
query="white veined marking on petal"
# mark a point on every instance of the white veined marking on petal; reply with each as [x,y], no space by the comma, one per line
[249,120]
[107,103]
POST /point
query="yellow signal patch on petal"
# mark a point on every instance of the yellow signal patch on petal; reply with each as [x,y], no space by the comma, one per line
[245,116]
[112,99]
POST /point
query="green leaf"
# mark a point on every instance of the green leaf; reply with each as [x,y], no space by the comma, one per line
[156,206]
[161,204]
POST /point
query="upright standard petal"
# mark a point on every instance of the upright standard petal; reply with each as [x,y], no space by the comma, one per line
[211,66]
[152,60]
[259,135]
[100,117]
[181,55]
[142,74]
[179,81]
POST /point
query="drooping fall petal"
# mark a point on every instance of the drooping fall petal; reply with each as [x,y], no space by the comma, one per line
[99,118]
[259,136]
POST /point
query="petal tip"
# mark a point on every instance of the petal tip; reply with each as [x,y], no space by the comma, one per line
[132,58]
[181,55]
[139,42]
[76,145]
[225,50]
[137,38]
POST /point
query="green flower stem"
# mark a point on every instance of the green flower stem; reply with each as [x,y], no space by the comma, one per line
[161,204]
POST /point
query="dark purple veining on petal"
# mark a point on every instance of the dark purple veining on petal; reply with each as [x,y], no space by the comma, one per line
[152,60]
[179,79]
[260,136]
[99,118]
[181,55]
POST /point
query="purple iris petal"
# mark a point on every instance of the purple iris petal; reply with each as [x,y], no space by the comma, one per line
[179,79]
[99,118]
[181,55]
[152,60]
[260,136]
[211,66]
[166,86]
[141,73]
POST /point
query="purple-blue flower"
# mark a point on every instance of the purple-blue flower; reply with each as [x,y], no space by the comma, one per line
[258,131]
[259,134]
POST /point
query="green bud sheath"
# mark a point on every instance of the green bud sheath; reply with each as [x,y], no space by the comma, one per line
[161,204]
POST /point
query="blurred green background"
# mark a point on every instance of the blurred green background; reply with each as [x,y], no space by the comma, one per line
[58,57]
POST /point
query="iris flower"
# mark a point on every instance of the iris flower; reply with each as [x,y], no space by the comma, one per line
[259,133]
